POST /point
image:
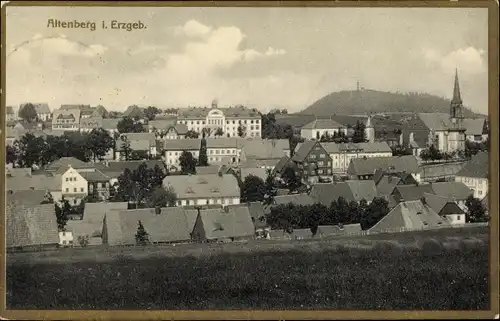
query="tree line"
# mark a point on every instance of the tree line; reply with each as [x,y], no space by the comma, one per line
[471,149]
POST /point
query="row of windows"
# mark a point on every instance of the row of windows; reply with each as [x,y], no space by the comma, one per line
[195,153]
[75,190]
[220,201]
[222,151]
[70,179]
[217,122]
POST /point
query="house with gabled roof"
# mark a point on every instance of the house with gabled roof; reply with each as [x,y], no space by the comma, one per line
[163,225]
[204,189]
[321,127]
[264,150]
[30,226]
[66,120]
[312,163]
[229,224]
[100,111]
[47,183]
[144,143]
[172,150]
[445,207]
[42,110]
[134,112]
[475,174]
[351,191]
[365,168]
[224,150]
[409,216]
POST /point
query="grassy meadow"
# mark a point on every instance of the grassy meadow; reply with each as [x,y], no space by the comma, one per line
[433,270]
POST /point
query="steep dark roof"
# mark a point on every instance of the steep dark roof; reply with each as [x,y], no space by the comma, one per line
[304,150]
[455,190]
[477,166]
[353,190]
[413,192]
[296,199]
[219,224]
[66,162]
[395,164]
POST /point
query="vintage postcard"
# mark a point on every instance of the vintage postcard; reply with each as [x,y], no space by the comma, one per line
[249,160]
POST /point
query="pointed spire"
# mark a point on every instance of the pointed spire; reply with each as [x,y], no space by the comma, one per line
[457,99]
[369,122]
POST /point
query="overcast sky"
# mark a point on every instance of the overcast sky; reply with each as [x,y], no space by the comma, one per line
[260,57]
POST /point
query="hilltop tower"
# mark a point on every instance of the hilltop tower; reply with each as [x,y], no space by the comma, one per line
[370,130]
[214,104]
[456,131]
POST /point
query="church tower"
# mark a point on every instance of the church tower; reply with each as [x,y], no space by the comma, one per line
[370,130]
[456,131]
[456,107]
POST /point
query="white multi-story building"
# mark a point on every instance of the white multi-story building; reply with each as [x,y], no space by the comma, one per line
[66,120]
[172,150]
[228,120]
[474,175]
[321,127]
[74,186]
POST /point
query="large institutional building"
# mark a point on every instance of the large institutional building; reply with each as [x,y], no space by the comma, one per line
[228,120]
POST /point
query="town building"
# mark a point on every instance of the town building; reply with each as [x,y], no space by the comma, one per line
[264,153]
[476,129]
[321,128]
[445,207]
[341,154]
[229,224]
[409,216]
[66,120]
[365,168]
[163,225]
[172,151]
[207,189]
[141,143]
[312,163]
[223,150]
[228,120]
[350,191]
[42,110]
[475,174]
[96,121]
[134,112]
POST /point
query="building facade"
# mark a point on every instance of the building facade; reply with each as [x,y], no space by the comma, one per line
[231,122]
[320,128]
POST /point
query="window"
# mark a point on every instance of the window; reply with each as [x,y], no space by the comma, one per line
[64,242]
[67,179]
[74,201]
[322,155]
[312,156]
[480,192]
[458,217]
[67,190]
[320,163]
[74,190]
[230,201]
[179,203]
[81,189]
[64,233]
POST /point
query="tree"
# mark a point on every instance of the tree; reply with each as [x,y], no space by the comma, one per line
[129,125]
[28,113]
[270,184]
[377,209]
[241,131]
[188,163]
[399,150]
[290,178]
[294,141]
[432,153]
[219,132]
[139,155]
[253,189]
[161,197]
[83,240]
[31,150]
[192,134]
[359,133]
[476,212]
[99,143]
[125,149]
[203,158]
[314,215]
[62,214]
[11,154]
[141,237]
[151,112]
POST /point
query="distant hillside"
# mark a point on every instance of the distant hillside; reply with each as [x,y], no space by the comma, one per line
[372,101]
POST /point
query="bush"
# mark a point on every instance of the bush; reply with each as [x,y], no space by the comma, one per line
[83,240]
[388,248]
[431,247]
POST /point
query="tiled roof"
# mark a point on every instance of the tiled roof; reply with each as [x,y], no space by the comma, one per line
[203,186]
[99,111]
[259,163]
[375,147]
[368,166]
[41,108]
[36,182]
[171,225]
[281,164]
[15,172]
[140,141]
[110,123]
[112,167]
[27,197]
[30,225]
[361,189]
[259,172]
[211,169]
[161,124]
[386,185]
[474,126]
[353,190]
[436,171]
[455,190]
[133,111]
[95,176]
[230,112]
[66,114]
[265,148]
[296,199]
[66,162]
[327,230]
[410,215]
[91,122]
[413,192]
[181,144]
[223,142]
[233,222]
[93,216]
[304,150]
[73,106]
[477,166]
[436,202]
[322,124]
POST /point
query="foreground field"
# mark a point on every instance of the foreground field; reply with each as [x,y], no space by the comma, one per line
[445,272]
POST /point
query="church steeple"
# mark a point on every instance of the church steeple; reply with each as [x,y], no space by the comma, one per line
[457,99]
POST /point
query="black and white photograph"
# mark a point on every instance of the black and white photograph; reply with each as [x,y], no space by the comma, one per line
[247,158]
